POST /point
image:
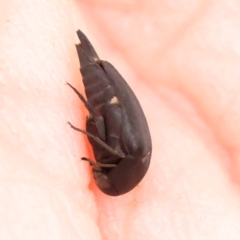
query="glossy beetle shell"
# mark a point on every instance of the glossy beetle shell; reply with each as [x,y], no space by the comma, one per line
[117,119]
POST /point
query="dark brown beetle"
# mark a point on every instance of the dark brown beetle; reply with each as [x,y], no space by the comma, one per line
[116,126]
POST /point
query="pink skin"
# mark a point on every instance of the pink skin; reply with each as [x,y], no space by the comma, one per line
[182,60]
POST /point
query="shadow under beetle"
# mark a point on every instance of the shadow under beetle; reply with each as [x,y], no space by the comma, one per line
[116,126]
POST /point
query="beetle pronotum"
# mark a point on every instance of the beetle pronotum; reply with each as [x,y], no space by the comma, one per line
[116,126]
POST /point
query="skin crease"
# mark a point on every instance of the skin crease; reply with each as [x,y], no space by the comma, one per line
[182,61]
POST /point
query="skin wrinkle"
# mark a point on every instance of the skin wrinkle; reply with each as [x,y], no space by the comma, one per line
[218,145]
[183,30]
[191,114]
[199,123]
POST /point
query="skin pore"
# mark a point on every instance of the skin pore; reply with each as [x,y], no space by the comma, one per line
[182,61]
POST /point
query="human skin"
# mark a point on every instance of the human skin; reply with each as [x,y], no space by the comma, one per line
[182,60]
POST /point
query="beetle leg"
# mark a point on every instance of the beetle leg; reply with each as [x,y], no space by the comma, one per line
[97,119]
[99,141]
[87,105]
[98,166]
[100,126]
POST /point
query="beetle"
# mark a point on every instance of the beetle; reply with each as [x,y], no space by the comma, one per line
[116,126]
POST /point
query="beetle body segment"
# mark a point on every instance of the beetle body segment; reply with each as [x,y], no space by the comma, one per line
[117,119]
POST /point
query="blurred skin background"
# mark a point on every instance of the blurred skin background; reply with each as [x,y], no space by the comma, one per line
[182,59]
